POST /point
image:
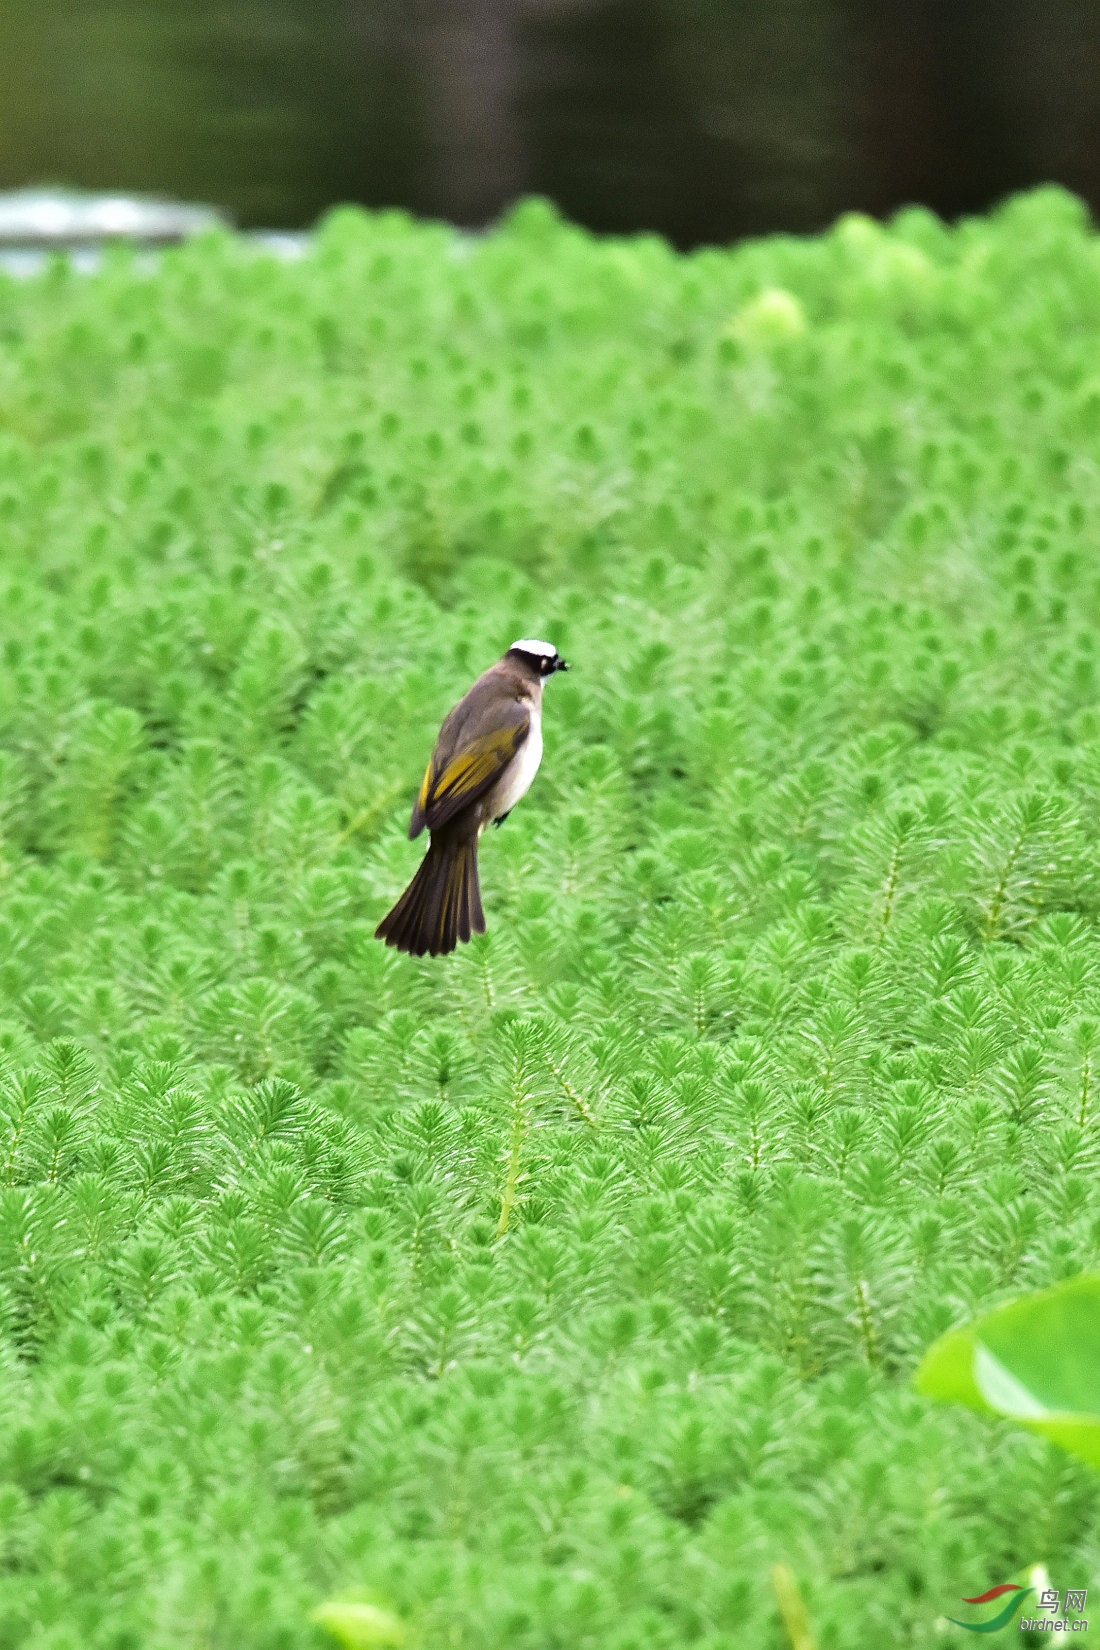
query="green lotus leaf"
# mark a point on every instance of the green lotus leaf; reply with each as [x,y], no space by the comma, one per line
[1035,1361]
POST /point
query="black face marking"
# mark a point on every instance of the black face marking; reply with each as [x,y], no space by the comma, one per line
[544,663]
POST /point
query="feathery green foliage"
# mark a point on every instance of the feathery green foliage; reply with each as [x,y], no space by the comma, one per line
[548,1295]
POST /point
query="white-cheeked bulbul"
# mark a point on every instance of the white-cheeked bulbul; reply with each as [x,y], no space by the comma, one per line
[485,758]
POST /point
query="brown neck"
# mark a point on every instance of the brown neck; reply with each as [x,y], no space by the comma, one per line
[522,665]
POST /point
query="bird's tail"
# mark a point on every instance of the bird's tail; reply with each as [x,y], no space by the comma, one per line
[441,905]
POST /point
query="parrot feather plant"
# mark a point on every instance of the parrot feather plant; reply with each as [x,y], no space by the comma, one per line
[564,1286]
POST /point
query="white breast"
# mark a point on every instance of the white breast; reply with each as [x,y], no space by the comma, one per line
[516,779]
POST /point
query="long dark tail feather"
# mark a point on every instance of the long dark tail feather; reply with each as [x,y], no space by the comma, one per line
[441,905]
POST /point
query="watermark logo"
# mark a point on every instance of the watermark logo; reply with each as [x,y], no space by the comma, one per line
[1004,1614]
[1050,1602]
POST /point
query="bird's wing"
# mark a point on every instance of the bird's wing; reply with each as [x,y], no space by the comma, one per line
[453,782]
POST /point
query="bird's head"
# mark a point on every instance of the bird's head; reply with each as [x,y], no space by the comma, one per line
[541,657]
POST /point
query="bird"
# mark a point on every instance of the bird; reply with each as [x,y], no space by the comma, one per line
[488,752]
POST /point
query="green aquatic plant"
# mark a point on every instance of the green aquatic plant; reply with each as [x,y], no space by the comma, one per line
[566,1292]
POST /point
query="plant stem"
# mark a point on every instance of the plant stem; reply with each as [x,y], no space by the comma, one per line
[792,1608]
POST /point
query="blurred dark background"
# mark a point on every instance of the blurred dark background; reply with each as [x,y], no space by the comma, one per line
[704,119]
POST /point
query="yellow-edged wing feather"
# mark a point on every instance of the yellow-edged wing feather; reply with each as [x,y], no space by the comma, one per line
[425,789]
[466,776]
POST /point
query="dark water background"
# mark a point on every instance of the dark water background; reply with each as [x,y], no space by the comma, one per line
[703,119]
